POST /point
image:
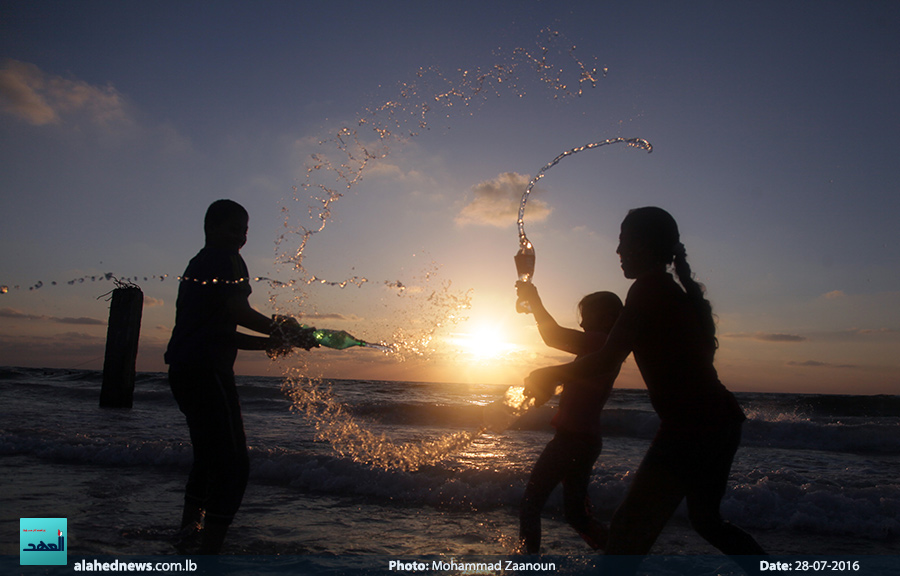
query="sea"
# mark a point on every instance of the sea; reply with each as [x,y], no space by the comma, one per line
[816,477]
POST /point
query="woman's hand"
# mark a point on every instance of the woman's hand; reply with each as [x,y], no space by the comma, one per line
[527,292]
[541,384]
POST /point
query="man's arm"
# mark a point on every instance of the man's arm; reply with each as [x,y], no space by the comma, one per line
[248,342]
[245,315]
[283,335]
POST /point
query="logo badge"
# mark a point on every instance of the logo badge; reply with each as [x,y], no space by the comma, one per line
[42,541]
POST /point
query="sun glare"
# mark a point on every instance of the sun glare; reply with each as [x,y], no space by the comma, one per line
[484,342]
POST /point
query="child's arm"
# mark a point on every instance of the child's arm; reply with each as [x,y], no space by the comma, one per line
[554,335]
[609,359]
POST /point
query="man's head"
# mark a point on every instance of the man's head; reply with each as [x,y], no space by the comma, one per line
[225,225]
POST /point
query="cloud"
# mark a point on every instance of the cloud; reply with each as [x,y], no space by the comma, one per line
[767,336]
[848,335]
[83,321]
[817,364]
[857,334]
[496,202]
[333,316]
[66,349]
[866,331]
[775,337]
[18,315]
[150,301]
[32,95]
[385,169]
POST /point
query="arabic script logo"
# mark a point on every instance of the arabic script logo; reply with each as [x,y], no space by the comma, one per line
[42,541]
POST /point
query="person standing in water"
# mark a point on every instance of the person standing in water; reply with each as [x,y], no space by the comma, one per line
[212,302]
[670,329]
[570,456]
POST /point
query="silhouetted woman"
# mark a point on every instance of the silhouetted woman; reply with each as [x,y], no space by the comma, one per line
[669,328]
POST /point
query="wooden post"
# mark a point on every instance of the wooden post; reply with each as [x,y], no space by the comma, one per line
[121,347]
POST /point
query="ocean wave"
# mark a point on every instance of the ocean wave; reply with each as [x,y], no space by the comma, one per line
[793,431]
[774,420]
[86,449]
[762,499]
[786,498]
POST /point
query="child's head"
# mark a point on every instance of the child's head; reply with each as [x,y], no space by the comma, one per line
[225,224]
[599,311]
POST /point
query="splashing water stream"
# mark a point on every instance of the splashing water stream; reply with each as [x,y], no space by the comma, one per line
[337,168]
[336,426]
[314,399]
[635,142]
[394,122]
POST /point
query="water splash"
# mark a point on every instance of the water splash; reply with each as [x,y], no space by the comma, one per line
[108,276]
[632,142]
[421,312]
[499,415]
[315,400]
[425,305]
[341,159]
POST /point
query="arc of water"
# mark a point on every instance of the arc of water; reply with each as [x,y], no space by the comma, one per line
[635,142]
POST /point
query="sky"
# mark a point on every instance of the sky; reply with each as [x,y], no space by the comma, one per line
[772,124]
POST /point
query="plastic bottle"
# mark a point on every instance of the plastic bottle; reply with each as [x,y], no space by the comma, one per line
[525,268]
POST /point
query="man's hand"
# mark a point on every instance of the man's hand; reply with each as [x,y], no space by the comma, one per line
[287,333]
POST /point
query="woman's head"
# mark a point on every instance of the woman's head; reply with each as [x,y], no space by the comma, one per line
[649,239]
[599,311]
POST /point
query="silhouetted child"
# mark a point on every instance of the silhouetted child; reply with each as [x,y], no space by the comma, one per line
[212,303]
[570,456]
[669,327]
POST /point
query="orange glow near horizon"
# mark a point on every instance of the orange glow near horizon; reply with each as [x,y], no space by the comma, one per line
[485,341]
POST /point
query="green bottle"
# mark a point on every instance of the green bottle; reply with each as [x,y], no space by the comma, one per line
[337,339]
[293,334]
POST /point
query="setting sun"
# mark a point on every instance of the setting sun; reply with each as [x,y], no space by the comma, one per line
[486,341]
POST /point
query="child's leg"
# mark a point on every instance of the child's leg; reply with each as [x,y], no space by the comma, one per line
[583,455]
[547,473]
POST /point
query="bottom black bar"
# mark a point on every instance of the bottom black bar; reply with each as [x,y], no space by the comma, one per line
[842,565]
